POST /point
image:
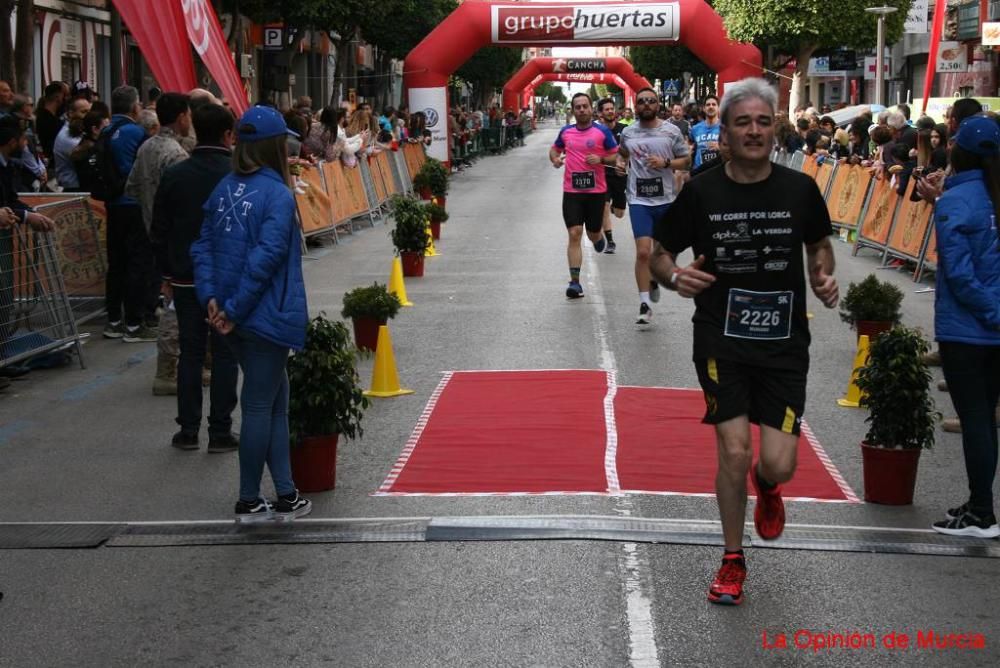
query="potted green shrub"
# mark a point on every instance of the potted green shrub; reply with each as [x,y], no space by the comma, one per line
[438,215]
[325,401]
[871,306]
[368,307]
[432,181]
[409,235]
[901,415]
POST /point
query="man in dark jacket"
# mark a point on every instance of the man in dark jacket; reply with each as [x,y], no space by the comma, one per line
[177,220]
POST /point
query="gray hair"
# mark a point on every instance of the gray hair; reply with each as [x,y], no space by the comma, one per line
[149,121]
[745,89]
[895,120]
[124,99]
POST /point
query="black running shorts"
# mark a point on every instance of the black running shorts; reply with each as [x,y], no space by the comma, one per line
[585,209]
[616,190]
[772,397]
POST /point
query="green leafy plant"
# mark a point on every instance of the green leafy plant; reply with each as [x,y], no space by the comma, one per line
[432,176]
[325,395]
[894,386]
[410,231]
[436,212]
[871,300]
[371,301]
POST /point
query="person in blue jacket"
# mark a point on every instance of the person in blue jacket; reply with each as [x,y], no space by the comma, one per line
[248,275]
[967,313]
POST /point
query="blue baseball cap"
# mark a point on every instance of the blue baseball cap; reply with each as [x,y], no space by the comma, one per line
[979,135]
[260,122]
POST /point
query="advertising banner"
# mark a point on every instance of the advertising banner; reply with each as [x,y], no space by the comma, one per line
[206,36]
[916,19]
[951,57]
[538,24]
[434,103]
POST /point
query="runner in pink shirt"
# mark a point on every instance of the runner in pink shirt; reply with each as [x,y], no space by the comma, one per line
[583,149]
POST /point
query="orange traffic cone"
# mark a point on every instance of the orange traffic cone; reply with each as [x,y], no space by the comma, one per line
[853,397]
[431,251]
[396,284]
[385,380]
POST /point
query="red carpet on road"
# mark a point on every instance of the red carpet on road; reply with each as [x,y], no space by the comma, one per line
[547,432]
[664,448]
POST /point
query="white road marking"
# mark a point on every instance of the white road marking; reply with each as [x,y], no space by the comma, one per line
[638,597]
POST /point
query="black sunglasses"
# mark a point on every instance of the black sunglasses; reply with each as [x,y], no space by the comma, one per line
[646,100]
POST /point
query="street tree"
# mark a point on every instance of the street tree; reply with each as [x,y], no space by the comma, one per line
[799,28]
[670,62]
[490,68]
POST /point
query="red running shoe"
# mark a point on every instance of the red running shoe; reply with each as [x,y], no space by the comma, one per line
[769,512]
[727,588]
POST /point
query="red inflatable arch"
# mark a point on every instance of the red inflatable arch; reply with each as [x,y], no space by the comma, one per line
[579,77]
[478,23]
[539,66]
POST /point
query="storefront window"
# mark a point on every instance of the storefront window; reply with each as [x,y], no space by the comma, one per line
[968,20]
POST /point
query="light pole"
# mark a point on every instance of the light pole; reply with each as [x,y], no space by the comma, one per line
[881,12]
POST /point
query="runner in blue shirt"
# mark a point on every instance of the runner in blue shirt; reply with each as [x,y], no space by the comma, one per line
[705,135]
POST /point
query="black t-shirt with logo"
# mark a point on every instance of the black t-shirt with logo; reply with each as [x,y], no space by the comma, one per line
[752,237]
[616,130]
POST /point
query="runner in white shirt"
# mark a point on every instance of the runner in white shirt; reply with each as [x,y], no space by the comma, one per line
[652,148]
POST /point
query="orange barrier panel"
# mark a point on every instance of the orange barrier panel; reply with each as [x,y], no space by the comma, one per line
[315,209]
[810,166]
[930,256]
[80,239]
[346,189]
[847,195]
[415,157]
[910,229]
[383,159]
[874,230]
[823,174]
[378,178]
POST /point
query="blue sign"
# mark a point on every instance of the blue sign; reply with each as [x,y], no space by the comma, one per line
[672,87]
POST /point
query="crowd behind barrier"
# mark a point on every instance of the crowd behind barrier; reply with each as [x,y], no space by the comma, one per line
[870,214]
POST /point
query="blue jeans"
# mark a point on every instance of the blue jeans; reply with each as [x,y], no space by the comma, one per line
[973,376]
[264,404]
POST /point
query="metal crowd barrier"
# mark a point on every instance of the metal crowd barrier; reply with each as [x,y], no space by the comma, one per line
[36,316]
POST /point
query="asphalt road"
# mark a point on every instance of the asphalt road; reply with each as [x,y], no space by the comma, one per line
[92,445]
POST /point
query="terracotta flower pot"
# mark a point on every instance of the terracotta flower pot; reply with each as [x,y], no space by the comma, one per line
[435,229]
[871,328]
[413,263]
[314,463]
[890,474]
[441,201]
[425,194]
[366,332]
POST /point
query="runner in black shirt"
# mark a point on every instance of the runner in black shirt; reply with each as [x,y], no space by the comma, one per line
[746,223]
[615,197]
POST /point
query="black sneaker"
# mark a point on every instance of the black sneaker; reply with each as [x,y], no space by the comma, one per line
[955,513]
[600,245]
[290,506]
[969,524]
[114,330]
[654,291]
[140,334]
[574,290]
[611,248]
[223,442]
[645,314]
[251,512]
[185,440]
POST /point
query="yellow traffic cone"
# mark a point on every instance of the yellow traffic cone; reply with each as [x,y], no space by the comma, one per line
[431,251]
[853,397]
[385,380]
[396,284]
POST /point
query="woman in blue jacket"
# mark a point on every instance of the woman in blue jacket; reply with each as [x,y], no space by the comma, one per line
[967,313]
[248,275]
